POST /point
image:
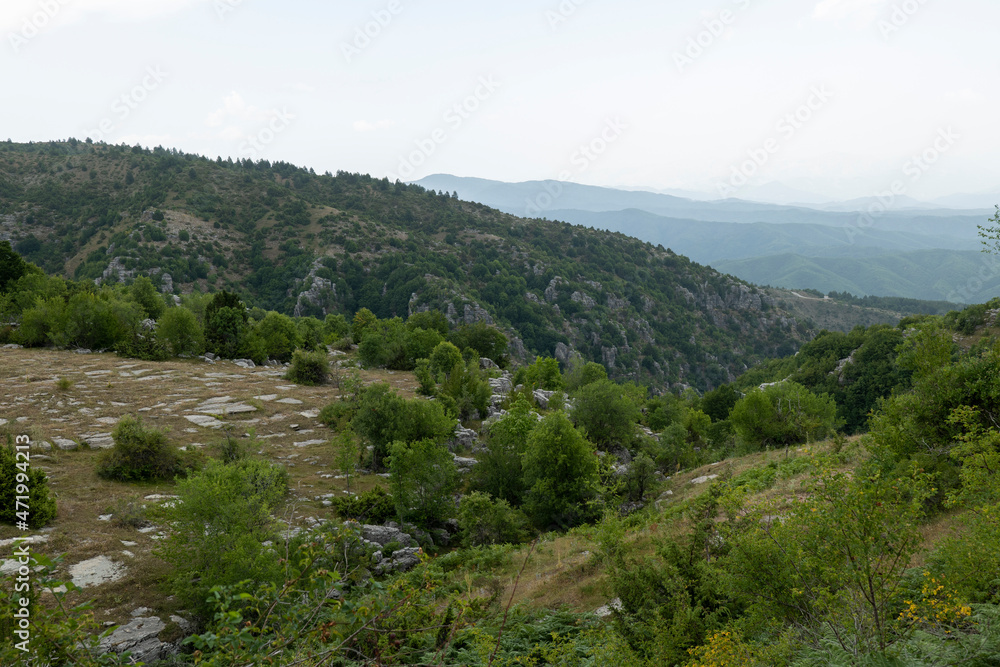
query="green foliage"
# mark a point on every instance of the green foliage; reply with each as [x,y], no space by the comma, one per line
[783,414]
[142,345]
[179,331]
[280,336]
[335,327]
[444,358]
[139,454]
[499,472]
[226,329]
[423,477]
[484,520]
[19,478]
[607,413]
[143,293]
[719,402]
[486,340]
[431,320]
[219,525]
[560,473]
[383,417]
[580,373]
[309,368]
[375,506]
[835,563]
[640,476]
[422,371]
[543,374]
[12,266]
[468,390]
[363,320]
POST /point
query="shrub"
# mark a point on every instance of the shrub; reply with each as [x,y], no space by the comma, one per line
[443,358]
[19,478]
[144,346]
[484,520]
[179,331]
[374,506]
[219,526]
[143,293]
[783,414]
[543,374]
[129,514]
[309,368]
[561,473]
[231,449]
[280,336]
[64,384]
[423,478]
[139,454]
[606,413]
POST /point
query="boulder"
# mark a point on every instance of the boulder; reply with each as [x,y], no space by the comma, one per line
[140,637]
[383,535]
[402,560]
[542,398]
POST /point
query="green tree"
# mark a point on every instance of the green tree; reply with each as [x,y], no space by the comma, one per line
[226,325]
[719,402]
[18,478]
[423,478]
[783,414]
[364,319]
[499,471]
[484,520]
[12,266]
[486,340]
[143,293]
[444,358]
[179,331]
[606,414]
[431,320]
[280,336]
[561,474]
[543,374]
[833,568]
[219,527]
[580,373]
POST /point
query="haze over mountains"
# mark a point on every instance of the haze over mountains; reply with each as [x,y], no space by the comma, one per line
[895,246]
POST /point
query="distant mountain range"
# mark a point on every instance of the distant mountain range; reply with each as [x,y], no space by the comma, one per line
[911,249]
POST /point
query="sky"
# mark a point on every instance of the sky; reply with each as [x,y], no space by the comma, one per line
[839,98]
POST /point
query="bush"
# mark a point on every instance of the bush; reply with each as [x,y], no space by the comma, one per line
[19,478]
[309,368]
[129,514]
[219,526]
[280,336]
[231,449]
[374,506]
[606,413]
[139,454]
[179,331]
[561,473]
[783,414]
[423,478]
[143,293]
[543,374]
[483,521]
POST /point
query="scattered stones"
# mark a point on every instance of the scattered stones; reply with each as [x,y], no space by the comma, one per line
[402,560]
[140,637]
[307,443]
[464,465]
[383,535]
[542,398]
[245,363]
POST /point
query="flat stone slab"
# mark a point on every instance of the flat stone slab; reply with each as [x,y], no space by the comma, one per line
[98,440]
[306,443]
[703,479]
[289,401]
[226,408]
[310,414]
[266,397]
[204,420]
[65,444]
[96,571]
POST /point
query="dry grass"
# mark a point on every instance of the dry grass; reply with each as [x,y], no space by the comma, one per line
[105,388]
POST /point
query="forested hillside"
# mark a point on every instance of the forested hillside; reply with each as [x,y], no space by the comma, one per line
[287,239]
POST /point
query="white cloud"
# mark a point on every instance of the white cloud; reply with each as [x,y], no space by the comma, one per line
[235,110]
[368,126]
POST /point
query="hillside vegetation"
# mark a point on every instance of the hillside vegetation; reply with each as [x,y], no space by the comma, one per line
[289,240]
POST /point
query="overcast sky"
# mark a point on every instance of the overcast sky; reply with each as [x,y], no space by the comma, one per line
[840,97]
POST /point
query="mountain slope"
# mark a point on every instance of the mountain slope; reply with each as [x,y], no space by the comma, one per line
[965,277]
[291,240]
